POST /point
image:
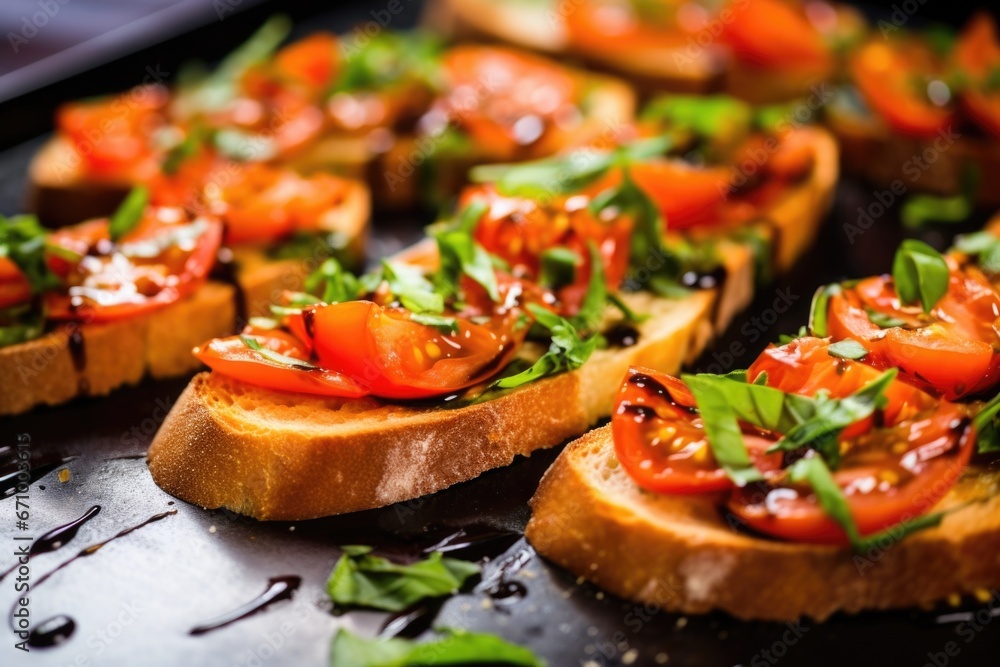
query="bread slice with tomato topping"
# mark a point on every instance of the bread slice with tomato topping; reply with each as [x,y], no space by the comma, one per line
[284,455]
[679,552]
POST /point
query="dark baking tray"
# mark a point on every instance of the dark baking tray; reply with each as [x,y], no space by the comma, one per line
[135,600]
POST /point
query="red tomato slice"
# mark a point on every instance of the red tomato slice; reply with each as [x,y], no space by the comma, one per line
[616,26]
[775,34]
[660,439]
[885,73]
[165,258]
[114,136]
[397,358]
[520,230]
[688,196]
[231,357]
[14,285]
[510,103]
[312,61]
[977,55]
[952,351]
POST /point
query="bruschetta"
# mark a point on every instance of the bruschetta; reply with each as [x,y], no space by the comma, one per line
[848,469]
[493,339]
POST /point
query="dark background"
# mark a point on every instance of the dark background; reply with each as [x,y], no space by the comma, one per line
[135,599]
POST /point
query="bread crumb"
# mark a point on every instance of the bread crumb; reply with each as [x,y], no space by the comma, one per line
[955,600]
[486,603]
[291,528]
[661,658]
[211,529]
[579,581]
[64,475]
[681,623]
[630,656]
[982,595]
[704,573]
[599,595]
[592,631]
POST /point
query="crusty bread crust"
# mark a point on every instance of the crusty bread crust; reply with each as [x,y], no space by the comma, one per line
[277,455]
[93,359]
[679,552]
[870,149]
[528,25]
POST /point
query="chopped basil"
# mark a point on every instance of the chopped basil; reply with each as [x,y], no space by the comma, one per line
[558,267]
[784,339]
[984,246]
[819,309]
[921,210]
[468,218]
[822,419]
[591,311]
[390,59]
[337,284]
[568,350]
[920,274]
[455,647]
[446,325]
[411,288]
[184,149]
[628,313]
[847,349]
[23,241]
[129,213]
[882,320]
[20,323]
[709,116]
[310,245]
[363,580]
[987,425]
[276,357]
[722,427]
[460,254]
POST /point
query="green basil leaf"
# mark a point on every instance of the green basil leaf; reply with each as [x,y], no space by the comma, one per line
[982,245]
[987,425]
[847,349]
[446,325]
[820,307]
[591,312]
[337,284]
[456,647]
[922,210]
[363,580]
[24,241]
[460,254]
[628,313]
[412,288]
[722,427]
[21,323]
[920,274]
[567,351]
[390,59]
[276,357]
[558,267]
[884,321]
[129,213]
[548,177]
[708,116]
[784,339]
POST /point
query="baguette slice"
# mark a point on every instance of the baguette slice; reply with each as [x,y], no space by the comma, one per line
[530,24]
[277,455]
[870,149]
[680,553]
[93,359]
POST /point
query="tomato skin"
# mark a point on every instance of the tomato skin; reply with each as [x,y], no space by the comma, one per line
[109,284]
[312,61]
[884,75]
[113,137]
[599,26]
[401,359]
[14,285]
[688,196]
[231,357]
[772,34]
[659,439]
[952,352]
[977,53]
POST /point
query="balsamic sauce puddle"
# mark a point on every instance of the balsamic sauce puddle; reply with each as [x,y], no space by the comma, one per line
[59,628]
[278,589]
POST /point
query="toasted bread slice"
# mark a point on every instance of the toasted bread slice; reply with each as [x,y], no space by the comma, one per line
[870,149]
[531,25]
[275,455]
[93,359]
[680,553]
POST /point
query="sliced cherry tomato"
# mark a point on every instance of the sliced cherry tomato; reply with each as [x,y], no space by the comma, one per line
[165,258]
[660,439]
[688,196]
[312,61]
[977,54]
[263,204]
[233,358]
[14,285]
[953,351]
[889,76]
[775,34]
[114,136]
[520,230]
[512,104]
[382,348]
[603,25]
